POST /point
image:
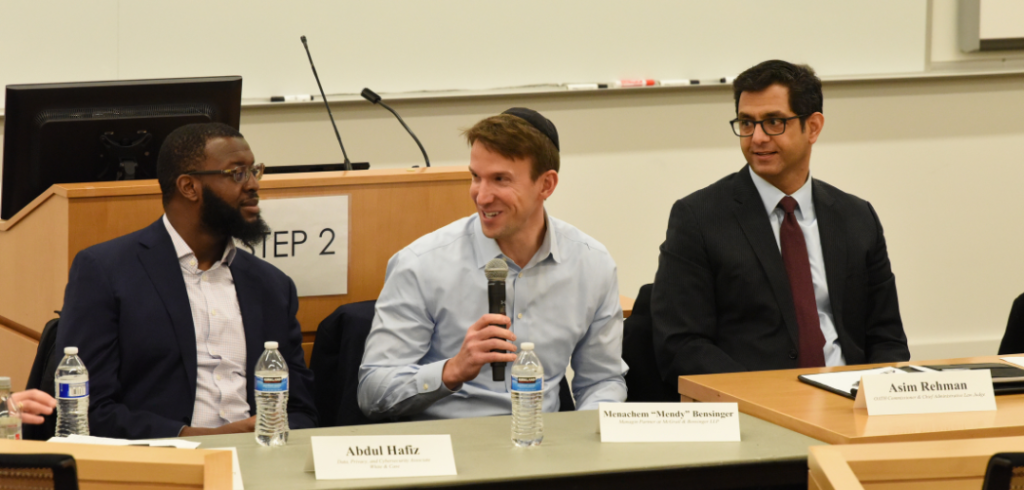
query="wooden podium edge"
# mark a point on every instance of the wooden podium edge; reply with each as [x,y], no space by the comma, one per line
[20,329]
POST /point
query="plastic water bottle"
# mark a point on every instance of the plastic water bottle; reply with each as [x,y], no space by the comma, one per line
[527,398]
[10,416]
[271,398]
[72,381]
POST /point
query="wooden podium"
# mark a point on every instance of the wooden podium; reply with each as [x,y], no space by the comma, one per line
[388,210]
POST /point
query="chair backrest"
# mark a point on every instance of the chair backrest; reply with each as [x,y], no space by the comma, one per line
[56,471]
[643,381]
[1013,337]
[337,353]
[41,377]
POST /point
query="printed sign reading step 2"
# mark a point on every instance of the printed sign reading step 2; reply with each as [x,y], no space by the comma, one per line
[308,241]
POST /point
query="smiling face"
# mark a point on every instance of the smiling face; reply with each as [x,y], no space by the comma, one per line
[783,160]
[509,202]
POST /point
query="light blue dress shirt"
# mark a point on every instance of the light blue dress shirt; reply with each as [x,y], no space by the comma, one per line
[566,301]
[808,222]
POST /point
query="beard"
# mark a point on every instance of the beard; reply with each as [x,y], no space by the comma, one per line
[221,218]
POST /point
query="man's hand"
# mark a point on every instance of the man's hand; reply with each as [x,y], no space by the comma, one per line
[33,404]
[240,427]
[481,338]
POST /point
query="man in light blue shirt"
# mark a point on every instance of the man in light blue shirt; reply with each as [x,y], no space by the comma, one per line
[428,354]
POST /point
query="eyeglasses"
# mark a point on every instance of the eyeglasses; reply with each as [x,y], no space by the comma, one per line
[238,174]
[773,126]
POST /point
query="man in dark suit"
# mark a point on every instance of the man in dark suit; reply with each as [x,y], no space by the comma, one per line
[770,268]
[170,320]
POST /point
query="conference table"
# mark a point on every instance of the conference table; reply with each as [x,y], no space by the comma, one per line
[571,456]
[780,398]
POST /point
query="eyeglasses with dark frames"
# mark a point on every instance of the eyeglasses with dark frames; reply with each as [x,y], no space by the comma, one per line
[773,126]
[238,174]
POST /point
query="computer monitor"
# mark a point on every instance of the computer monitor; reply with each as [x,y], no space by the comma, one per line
[59,133]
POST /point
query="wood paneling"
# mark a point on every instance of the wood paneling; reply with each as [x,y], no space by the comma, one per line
[33,264]
[16,354]
[778,397]
[138,467]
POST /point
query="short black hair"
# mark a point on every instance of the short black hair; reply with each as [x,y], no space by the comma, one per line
[804,86]
[184,150]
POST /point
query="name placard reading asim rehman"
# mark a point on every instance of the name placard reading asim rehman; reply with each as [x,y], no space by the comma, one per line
[349,457]
[938,392]
[669,422]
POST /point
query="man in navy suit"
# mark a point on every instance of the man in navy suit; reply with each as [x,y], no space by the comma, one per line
[771,268]
[170,320]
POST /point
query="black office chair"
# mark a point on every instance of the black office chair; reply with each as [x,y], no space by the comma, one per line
[24,471]
[643,381]
[41,377]
[1013,338]
[337,353]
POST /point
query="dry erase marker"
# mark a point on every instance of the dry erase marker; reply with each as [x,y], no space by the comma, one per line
[632,83]
[585,86]
[678,83]
[292,98]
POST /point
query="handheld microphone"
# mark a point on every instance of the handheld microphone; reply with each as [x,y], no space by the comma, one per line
[372,96]
[496,271]
[348,164]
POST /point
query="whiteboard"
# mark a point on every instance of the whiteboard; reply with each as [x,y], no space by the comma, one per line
[396,46]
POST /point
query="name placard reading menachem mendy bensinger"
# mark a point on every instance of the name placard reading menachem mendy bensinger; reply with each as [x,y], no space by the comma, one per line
[935,392]
[669,422]
[344,457]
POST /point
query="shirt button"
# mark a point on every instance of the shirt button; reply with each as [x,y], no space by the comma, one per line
[426,386]
[218,377]
[520,274]
[212,353]
[223,413]
[192,263]
[519,315]
[213,312]
[206,278]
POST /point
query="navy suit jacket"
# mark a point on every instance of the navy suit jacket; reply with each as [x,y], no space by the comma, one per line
[127,310]
[721,300]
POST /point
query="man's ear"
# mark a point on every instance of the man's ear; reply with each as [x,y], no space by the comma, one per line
[189,187]
[815,122]
[549,180]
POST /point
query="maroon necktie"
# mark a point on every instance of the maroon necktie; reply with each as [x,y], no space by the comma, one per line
[798,268]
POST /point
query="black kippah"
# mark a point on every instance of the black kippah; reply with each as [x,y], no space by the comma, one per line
[546,127]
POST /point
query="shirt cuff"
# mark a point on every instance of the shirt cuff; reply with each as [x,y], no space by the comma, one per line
[428,378]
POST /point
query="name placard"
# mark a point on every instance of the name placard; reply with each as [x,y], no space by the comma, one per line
[669,422]
[935,392]
[351,457]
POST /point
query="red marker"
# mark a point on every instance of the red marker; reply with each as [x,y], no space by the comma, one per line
[632,83]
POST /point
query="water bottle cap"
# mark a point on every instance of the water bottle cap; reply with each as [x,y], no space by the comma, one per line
[71,351]
[527,346]
[5,383]
[270,345]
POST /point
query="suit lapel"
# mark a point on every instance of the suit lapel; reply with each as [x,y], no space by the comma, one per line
[161,264]
[833,249]
[250,299]
[750,213]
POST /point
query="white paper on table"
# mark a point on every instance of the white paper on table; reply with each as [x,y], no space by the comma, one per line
[236,470]
[1019,361]
[108,441]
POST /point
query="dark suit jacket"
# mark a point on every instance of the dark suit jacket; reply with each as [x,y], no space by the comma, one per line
[721,299]
[127,310]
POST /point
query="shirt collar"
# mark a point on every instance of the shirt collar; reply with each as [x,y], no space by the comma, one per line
[487,248]
[183,250]
[771,195]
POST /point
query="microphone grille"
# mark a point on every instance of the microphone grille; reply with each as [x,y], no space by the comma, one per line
[496,270]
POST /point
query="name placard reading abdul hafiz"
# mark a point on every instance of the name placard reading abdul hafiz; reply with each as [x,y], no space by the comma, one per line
[669,422]
[934,392]
[350,457]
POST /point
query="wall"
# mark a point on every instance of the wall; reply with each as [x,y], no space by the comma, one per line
[940,159]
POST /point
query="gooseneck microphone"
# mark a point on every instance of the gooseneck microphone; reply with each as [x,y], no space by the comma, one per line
[372,96]
[496,271]
[348,164]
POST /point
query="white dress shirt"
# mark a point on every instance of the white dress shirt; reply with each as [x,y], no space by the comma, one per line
[220,338]
[808,222]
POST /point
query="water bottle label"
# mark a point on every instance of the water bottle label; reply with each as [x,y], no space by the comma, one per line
[271,383]
[73,390]
[527,384]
